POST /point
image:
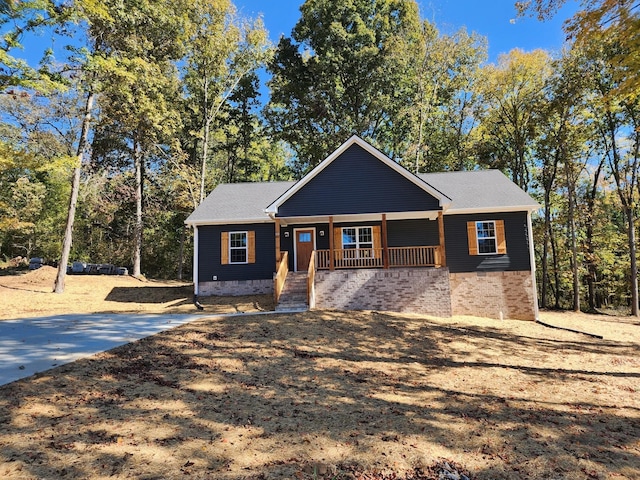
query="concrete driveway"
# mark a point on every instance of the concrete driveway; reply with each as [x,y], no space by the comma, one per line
[33,345]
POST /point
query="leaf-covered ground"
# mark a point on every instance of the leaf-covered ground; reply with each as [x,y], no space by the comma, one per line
[355,395]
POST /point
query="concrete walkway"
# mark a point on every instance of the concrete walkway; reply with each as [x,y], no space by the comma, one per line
[33,345]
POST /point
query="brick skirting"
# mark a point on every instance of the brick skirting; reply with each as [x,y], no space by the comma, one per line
[236,287]
[493,294]
[411,290]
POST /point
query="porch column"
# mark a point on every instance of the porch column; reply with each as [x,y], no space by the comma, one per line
[331,263]
[443,253]
[385,244]
[277,243]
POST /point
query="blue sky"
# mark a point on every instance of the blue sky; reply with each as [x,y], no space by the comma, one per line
[495,19]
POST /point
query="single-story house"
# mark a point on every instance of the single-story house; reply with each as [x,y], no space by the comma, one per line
[359,231]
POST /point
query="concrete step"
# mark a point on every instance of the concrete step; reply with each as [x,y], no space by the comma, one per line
[292,307]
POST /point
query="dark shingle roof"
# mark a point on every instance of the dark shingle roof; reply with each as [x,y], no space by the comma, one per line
[240,202]
[480,190]
[475,191]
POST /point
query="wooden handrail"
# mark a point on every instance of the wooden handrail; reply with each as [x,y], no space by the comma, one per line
[281,275]
[311,277]
[421,256]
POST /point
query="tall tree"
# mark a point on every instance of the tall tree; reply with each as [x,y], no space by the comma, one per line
[618,123]
[343,71]
[445,69]
[562,151]
[614,20]
[141,44]
[512,92]
[223,49]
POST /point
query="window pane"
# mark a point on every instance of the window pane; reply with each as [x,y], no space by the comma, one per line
[304,237]
[238,239]
[487,245]
[238,255]
[365,235]
[348,238]
[486,229]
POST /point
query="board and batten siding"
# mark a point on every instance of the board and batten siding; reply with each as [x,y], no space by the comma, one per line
[357,182]
[209,255]
[516,236]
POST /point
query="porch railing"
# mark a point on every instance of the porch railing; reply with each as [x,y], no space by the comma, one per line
[282,268]
[374,257]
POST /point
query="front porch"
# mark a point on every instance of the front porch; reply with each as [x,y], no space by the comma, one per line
[422,256]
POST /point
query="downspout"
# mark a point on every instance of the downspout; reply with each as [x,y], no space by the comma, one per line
[196,255]
[532,260]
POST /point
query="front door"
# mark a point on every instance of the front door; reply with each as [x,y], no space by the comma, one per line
[304,249]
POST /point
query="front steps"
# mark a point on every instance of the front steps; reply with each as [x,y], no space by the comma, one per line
[294,293]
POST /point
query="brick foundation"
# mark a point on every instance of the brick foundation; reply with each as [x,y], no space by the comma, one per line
[236,287]
[493,294]
[411,290]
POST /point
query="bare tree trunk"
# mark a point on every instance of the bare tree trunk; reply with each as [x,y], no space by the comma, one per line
[545,250]
[181,259]
[75,188]
[631,234]
[574,249]
[556,271]
[137,252]
[205,153]
[590,260]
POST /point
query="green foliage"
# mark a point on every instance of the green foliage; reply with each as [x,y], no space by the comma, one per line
[34,161]
[598,21]
[513,91]
[343,72]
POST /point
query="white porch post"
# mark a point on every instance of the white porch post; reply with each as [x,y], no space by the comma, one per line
[532,260]
[195,260]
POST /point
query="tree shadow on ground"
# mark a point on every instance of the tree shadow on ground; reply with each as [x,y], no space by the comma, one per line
[265,396]
[150,294]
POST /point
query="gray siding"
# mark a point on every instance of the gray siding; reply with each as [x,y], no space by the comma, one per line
[516,258]
[357,182]
[209,253]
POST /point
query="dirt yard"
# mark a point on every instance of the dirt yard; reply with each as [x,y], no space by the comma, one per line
[329,395]
[29,295]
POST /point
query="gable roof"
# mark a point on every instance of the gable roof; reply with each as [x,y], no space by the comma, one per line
[480,191]
[237,203]
[443,199]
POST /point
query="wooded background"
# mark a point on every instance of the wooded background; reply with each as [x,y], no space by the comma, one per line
[146,105]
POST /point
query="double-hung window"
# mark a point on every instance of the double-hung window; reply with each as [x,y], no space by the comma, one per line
[486,237]
[238,247]
[359,239]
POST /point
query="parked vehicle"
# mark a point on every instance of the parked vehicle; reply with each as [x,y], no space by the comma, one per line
[35,263]
[78,267]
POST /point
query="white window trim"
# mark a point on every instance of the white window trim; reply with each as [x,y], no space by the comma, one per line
[495,237]
[358,247]
[246,248]
[359,250]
